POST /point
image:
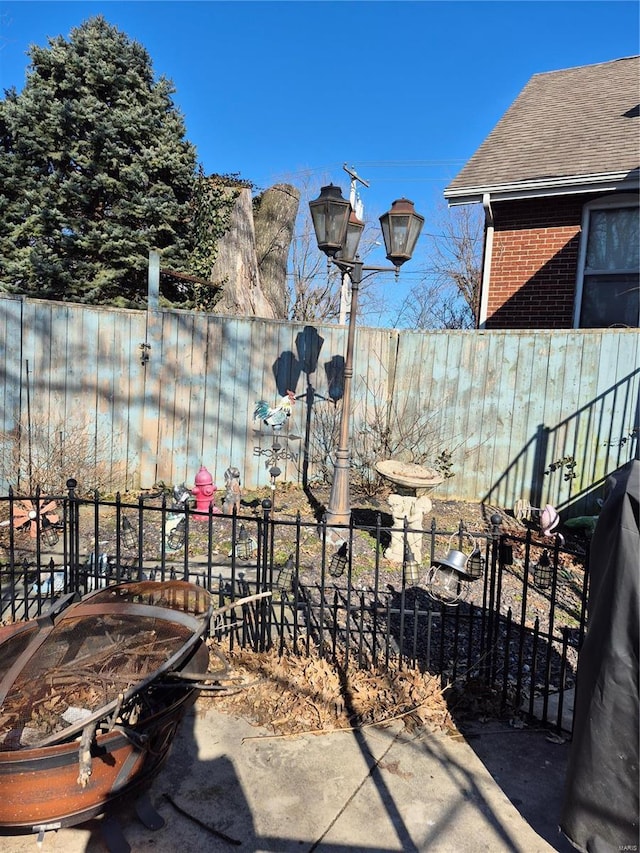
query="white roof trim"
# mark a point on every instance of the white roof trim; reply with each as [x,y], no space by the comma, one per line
[609,182]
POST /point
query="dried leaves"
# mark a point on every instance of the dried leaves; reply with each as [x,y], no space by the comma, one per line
[307,693]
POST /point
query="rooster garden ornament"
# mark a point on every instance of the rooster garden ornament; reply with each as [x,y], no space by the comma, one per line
[277,416]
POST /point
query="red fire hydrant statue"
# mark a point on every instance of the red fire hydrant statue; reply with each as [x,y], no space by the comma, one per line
[204,492]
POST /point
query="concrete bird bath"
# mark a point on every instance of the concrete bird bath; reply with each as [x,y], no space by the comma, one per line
[409,499]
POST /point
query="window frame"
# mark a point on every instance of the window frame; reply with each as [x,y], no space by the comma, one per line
[605,203]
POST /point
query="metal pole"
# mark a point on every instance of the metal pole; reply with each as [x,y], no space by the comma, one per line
[339,508]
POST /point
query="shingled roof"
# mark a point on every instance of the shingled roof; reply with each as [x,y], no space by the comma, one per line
[567,131]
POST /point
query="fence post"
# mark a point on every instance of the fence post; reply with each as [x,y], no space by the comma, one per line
[403,589]
[550,627]
[140,572]
[493,617]
[264,606]
[185,563]
[118,504]
[12,551]
[73,544]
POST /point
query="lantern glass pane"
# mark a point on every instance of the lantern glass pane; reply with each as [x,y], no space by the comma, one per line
[318,215]
[415,227]
[337,219]
[384,225]
[399,234]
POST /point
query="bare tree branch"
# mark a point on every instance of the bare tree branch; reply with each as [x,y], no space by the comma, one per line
[448,294]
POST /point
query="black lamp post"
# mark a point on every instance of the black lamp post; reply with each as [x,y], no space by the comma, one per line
[338,232]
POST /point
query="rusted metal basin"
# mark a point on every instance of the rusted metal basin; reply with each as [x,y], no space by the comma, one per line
[92,695]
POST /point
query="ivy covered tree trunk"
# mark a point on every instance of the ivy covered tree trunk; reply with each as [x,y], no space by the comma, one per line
[274,217]
[95,171]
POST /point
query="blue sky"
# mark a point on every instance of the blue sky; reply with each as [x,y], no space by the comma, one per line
[404,92]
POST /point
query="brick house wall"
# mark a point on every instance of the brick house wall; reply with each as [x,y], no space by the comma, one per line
[534,263]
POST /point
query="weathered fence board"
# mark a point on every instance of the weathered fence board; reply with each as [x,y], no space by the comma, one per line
[11,384]
[505,404]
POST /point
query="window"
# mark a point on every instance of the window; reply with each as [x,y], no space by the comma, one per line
[608,292]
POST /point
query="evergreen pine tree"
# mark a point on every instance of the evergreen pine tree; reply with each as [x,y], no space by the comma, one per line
[95,171]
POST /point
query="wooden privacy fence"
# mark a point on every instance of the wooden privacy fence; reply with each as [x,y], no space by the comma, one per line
[156,394]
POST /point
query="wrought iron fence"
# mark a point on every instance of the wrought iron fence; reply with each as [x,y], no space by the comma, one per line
[511,640]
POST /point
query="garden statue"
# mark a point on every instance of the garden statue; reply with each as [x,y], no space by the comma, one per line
[232,494]
[413,509]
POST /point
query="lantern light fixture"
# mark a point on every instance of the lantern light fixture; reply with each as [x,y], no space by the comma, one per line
[401,227]
[338,231]
[445,585]
[176,537]
[285,576]
[543,571]
[475,564]
[411,568]
[245,545]
[339,561]
[449,579]
[128,533]
[349,250]
[48,533]
[330,216]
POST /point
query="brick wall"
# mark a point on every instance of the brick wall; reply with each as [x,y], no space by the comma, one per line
[535,257]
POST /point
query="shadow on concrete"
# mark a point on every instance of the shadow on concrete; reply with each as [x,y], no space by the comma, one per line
[529,765]
[228,785]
